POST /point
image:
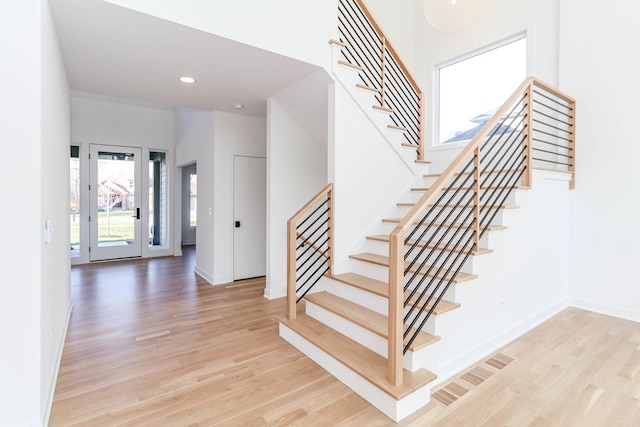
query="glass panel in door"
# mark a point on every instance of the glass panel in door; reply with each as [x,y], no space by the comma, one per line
[115,193]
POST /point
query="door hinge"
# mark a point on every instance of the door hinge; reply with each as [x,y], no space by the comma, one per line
[89,249]
[89,218]
[89,186]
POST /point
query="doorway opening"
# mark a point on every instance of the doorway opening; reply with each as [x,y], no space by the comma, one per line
[189,204]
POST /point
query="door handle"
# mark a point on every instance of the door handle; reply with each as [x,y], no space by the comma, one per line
[237,224]
[137,215]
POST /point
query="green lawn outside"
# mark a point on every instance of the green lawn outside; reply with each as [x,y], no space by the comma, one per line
[120,227]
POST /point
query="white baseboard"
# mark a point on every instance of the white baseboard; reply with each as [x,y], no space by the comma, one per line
[619,312]
[206,276]
[483,350]
[54,375]
[274,293]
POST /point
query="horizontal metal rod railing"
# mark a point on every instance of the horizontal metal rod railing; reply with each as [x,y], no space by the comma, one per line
[309,247]
[426,255]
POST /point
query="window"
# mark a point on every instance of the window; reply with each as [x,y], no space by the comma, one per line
[157,198]
[74,199]
[472,89]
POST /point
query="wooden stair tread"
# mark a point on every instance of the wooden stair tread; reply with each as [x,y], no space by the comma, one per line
[407,145]
[367,88]
[362,282]
[423,162]
[490,228]
[383,261]
[443,306]
[405,204]
[385,238]
[365,318]
[356,357]
[350,65]
[381,108]
[337,42]
[436,175]
[400,128]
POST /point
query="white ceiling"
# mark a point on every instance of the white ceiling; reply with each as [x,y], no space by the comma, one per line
[111,50]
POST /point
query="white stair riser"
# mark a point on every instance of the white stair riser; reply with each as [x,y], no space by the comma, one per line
[374,342]
[358,334]
[358,296]
[394,409]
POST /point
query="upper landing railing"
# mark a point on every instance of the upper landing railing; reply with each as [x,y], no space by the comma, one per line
[366,48]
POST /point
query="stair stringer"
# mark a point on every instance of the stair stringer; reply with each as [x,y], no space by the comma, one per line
[367,173]
[522,283]
[348,78]
[479,327]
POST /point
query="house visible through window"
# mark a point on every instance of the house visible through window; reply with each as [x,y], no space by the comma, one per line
[472,89]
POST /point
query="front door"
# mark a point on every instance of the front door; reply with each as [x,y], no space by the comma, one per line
[250,212]
[116,195]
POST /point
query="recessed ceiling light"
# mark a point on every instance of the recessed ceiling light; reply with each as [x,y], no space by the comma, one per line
[238,106]
[187,79]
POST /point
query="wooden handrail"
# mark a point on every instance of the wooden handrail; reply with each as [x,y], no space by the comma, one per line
[552,90]
[397,236]
[389,45]
[292,235]
[315,199]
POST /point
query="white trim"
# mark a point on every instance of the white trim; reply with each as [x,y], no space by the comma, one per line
[608,310]
[274,293]
[205,275]
[473,355]
[54,375]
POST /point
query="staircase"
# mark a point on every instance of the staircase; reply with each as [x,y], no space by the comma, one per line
[380,327]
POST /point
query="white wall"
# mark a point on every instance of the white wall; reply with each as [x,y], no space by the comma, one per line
[54,167]
[99,119]
[296,171]
[21,284]
[34,296]
[599,67]
[499,20]
[298,29]
[194,143]
[233,135]
[522,283]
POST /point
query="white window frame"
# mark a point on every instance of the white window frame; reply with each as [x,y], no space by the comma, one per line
[436,145]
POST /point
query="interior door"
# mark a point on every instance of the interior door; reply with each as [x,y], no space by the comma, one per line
[250,213]
[115,197]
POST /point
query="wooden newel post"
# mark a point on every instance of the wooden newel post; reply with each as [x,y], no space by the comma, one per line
[330,196]
[291,269]
[396,305]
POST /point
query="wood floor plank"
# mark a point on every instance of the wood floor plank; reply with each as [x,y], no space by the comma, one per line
[223,363]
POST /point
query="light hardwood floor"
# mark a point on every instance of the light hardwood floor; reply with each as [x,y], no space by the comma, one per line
[151,344]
